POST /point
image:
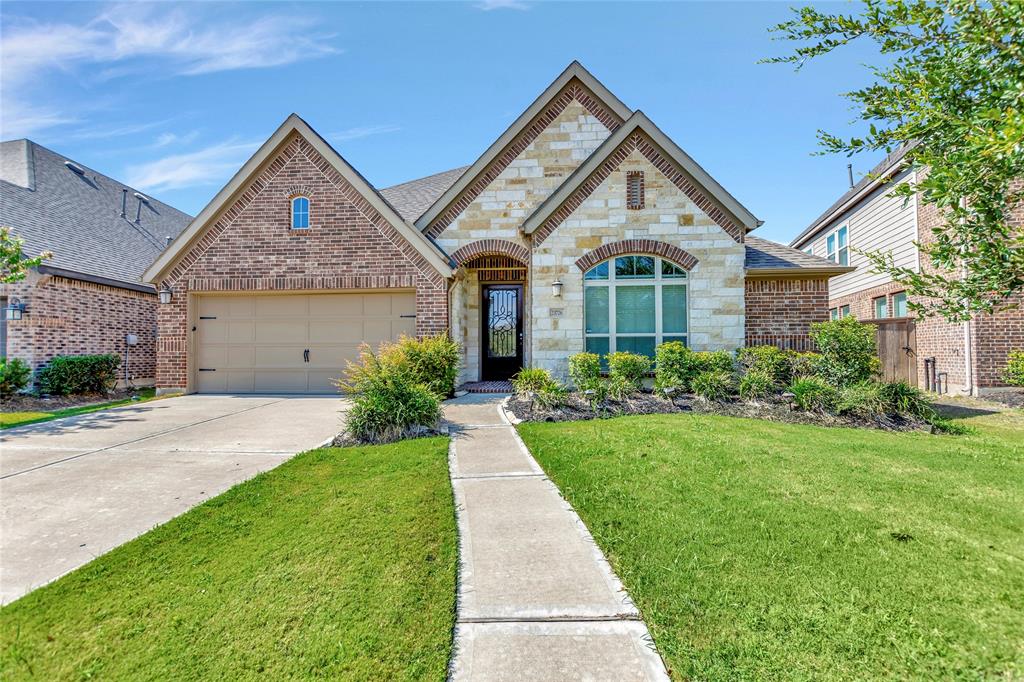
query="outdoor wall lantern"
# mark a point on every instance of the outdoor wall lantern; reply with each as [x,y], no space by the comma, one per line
[165,295]
[15,309]
[556,288]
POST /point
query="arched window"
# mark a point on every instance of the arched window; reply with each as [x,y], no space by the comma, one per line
[300,213]
[634,303]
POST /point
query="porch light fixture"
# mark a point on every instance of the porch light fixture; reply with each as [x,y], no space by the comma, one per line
[15,309]
[165,295]
[556,288]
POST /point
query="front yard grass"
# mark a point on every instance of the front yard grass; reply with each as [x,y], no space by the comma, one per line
[761,550]
[340,563]
[11,419]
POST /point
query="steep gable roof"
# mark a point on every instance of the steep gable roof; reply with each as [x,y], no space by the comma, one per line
[489,165]
[639,132]
[238,185]
[78,216]
[414,197]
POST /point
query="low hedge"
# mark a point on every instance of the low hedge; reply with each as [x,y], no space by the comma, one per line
[78,374]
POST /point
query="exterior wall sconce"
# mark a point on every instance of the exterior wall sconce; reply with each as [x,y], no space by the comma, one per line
[15,309]
[165,295]
[556,288]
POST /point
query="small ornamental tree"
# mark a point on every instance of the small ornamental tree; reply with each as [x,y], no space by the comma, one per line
[951,85]
[14,266]
[849,352]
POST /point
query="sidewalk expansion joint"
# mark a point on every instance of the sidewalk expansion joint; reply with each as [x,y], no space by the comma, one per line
[485,477]
[553,619]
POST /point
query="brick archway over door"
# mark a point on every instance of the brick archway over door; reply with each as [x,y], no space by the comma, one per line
[684,259]
[491,247]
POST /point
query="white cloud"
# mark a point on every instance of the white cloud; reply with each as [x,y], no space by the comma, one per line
[209,166]
[167,139]
[488,5]
[363,131]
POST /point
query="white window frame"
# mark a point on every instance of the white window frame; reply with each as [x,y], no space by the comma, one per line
[809,249]
[658,282]
[832,249]
[905,302]
[885,304]
[309,211]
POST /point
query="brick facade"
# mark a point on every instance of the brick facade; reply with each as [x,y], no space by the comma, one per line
[251,247]
[71,317]
[780,311]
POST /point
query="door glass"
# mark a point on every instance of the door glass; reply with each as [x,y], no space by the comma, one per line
[502,320]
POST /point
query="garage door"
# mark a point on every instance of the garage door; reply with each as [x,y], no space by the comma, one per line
[291,343]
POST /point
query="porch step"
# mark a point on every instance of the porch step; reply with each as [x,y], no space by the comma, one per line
[487,387]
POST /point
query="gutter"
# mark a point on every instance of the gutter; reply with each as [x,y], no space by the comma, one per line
[798,272]
[95,279]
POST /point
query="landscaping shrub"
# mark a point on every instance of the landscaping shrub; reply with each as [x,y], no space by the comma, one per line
[675,366]
[902,398]
[532,381]
[551,396]
[76,374]
[771,361]
[434,361]
[14,376]
[585,370]
[849,353]
[629,367]
[389,400]
[814,394]
[714,361]
[712,385]
[756,384]
[863,399]
[1014,372]
[619,389]
[802,364]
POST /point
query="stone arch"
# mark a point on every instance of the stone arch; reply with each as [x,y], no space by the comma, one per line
[684,259]
[491,247]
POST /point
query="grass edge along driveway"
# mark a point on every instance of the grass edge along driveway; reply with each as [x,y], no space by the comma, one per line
[8,420]
[338,563]
[759,550]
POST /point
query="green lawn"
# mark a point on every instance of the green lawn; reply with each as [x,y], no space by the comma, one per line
[760,550]
[340,563]
[12,419]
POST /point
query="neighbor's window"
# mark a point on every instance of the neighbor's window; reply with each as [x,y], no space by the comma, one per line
[844,311]
[834,313]
[881,307]
[899,304]
[300,213]
[635,190]
[809,249]
[837,247]
[634,303]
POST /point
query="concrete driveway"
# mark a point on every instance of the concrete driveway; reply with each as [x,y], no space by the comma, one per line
[72,489]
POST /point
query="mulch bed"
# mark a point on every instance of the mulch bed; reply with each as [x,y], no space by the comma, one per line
[772,409]
[1008,398]
[31,403]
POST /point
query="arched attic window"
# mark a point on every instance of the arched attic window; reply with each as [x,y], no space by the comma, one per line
[300,212]
[634,303]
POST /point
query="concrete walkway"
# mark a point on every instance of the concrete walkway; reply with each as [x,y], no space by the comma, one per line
[537,600]
[74,488]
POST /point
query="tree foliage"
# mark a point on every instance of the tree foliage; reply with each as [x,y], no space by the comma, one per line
[951,86]
[14,266]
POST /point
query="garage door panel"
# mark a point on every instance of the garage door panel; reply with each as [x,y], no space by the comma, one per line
[403,327]
[280,381]
[241,356]
[241,331]
[212,356]
[241,306]
[376,331]
[403,304]
[212,382]
[341,331]
[323,381]
[336,305]
[282,306]
[279,357]
[213,331]
[280,331]
[240,381]
[377,305]
[210,306]
[333,356]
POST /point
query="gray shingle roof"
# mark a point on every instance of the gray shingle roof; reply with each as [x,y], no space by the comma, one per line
[766,254]
[78,217]
[411,199]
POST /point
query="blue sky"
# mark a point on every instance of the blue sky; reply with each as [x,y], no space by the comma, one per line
[173,97]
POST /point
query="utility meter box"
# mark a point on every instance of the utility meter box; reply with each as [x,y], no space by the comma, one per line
[131,339]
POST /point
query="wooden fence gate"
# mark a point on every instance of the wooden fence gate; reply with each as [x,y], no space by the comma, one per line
[897,349]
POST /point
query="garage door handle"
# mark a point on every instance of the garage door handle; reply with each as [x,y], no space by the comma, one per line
[305,355]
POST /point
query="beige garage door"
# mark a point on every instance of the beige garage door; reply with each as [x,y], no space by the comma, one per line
[291,343]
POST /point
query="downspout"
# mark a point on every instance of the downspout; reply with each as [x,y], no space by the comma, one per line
[968,349]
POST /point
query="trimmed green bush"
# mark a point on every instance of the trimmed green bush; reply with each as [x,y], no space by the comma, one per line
[863,399]
[619,389]
[902,398]
[712,385]
[802,364]
[14,376]
[675,366]
[629,367]
[551,396]
[814,394]
[770,361]
[715,361]
[848,351]
[434,361]
[533,381]
[389,400]
[585,370]
[78,374]
[756,384]
[1014,372]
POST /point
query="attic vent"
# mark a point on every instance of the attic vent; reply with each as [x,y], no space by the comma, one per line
[74,167]
[634,190]
[142,198]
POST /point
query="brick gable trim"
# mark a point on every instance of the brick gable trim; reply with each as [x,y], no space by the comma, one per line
[683,258]
[491,247]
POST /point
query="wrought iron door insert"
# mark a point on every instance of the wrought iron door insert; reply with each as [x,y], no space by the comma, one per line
[502,331]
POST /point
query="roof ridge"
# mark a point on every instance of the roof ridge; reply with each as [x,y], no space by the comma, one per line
[425,177]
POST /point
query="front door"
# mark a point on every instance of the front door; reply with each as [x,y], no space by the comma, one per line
[502,331]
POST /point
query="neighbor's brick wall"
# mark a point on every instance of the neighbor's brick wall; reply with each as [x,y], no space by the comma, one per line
[70,317]
[779,312]
[252,248]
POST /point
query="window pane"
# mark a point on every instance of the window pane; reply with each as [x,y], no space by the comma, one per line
[597,272]
[844,256]
[634,267]
[643,345]
[595,300]
[844,311]
[599,345]
[831,248]
[834,313]
[671,270]
[673,308]
[666,339]
[880,307]
[634,310]
[645,266]
[899,304]
[625,267]
[842,237]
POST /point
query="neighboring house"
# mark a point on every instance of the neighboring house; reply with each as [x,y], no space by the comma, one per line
[582,227]
[967,357]
[103,234]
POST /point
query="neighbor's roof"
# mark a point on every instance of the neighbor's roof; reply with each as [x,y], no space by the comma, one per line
[766,257]
[879,174]
[414,197]
[78,217]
